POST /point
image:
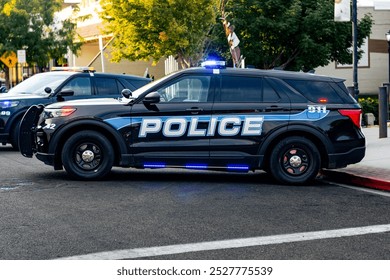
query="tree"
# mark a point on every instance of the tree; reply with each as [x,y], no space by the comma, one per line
[292,34]
[32,25]
[153,29]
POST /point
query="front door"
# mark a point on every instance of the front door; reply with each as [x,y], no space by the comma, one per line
[174,131]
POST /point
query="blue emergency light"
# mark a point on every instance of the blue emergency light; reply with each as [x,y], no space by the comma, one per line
[214,64]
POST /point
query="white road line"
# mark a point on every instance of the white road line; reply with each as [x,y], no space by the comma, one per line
[363,189]
[230,244]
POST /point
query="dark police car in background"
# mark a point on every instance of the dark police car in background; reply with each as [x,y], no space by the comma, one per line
[286,123]
[49,87]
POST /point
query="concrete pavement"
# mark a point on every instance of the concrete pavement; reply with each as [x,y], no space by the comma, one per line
[374,170]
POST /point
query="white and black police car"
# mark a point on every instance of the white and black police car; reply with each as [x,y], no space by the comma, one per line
[62,84]
[289,124]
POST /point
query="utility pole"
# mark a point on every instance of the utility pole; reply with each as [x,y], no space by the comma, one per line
[355,50]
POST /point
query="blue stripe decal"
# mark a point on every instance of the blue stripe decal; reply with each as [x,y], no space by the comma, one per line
[119,123]
[305,115]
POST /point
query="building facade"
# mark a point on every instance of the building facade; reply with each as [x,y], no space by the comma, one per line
[373,68]
[95,51]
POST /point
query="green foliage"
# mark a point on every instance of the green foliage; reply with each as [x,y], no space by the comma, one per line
[31,25]
[153,29]
[292,34]
[369,105]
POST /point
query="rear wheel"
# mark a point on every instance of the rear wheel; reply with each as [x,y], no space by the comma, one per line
[88,155]
[295,160]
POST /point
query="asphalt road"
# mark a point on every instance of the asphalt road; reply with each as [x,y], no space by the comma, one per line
[44,215]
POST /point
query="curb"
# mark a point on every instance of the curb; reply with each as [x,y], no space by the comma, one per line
[352,179]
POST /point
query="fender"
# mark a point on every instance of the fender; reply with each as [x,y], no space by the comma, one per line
[301,128]
[313,130]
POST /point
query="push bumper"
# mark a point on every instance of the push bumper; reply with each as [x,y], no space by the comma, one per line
[27,141]
[4,137]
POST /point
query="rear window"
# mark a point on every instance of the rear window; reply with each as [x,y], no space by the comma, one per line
[240,89]
[107,86]
[317,91]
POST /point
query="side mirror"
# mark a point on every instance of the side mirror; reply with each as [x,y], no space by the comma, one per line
[126,93]
[66,92]
[152,98]
[47,90]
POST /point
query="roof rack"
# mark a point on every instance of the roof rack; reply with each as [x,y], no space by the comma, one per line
[75,69]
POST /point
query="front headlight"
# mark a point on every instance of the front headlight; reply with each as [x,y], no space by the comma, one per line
[8,104]
[59,112]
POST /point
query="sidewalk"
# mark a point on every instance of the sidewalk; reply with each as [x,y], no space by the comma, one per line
[374,170]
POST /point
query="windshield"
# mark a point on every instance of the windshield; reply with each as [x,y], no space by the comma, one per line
[148,86]
[37,84]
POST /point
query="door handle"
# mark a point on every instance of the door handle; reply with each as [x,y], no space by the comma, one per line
[194,110]
[273,108]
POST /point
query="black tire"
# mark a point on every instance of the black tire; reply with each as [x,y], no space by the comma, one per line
[295,160]
[15,136]
[88,155]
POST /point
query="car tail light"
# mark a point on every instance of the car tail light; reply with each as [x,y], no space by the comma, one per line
[354,114]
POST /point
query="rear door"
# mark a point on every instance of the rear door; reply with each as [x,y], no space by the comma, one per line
[247,109]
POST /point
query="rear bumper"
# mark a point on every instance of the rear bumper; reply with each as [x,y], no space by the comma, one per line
[343,159]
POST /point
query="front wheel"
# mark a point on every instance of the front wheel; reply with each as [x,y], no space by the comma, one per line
[88,155]
[295,160]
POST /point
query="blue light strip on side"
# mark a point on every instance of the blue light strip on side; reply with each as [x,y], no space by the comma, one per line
[196,166]
[155,165]
[231,167]
[238,167]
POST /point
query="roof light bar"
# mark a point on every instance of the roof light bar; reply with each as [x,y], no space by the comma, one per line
[214,64]
[75,69]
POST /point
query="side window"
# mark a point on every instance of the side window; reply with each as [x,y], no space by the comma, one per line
[269,93]
[315,90]
[80,86]
[135,84]
[186,89]
[107,86]
[240,89]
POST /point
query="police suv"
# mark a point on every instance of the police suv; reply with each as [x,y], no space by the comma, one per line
[64,83]
[289,124]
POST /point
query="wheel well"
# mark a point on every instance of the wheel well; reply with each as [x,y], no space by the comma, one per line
[313,138]
[82,127]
